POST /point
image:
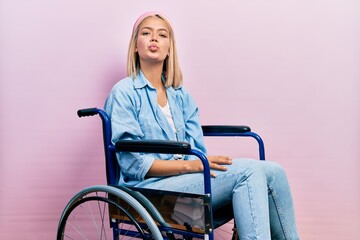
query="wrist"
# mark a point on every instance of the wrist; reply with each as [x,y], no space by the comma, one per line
[187,168]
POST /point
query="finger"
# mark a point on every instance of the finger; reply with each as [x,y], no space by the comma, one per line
[217,167]
[221,157]
[221,160]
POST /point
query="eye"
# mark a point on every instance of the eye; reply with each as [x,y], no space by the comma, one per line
[145,33]
[163,35]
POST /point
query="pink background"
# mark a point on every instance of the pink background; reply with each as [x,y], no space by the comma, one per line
[289,69]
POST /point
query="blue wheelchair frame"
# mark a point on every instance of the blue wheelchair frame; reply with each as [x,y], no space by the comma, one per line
[169,147]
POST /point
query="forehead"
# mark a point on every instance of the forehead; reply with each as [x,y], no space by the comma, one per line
[155,23]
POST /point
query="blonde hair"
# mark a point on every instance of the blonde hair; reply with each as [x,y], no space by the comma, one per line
[171,68]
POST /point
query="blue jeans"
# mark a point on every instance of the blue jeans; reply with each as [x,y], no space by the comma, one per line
[259,190]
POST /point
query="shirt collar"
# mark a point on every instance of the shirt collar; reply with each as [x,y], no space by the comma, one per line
[141,81]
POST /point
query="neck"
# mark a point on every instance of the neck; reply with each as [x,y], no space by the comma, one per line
[153,73]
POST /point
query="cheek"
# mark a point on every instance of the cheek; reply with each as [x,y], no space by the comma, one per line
[139,44]
[167,48]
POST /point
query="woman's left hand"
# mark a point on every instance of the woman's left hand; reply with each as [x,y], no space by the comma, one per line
[218,162]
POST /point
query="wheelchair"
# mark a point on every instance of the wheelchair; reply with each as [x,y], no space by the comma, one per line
[117,212]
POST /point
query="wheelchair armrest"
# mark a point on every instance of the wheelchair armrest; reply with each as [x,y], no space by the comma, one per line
[219,130]
[153,146]
[234,131]
[170,147]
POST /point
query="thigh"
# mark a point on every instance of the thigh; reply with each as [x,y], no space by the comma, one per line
[221,186]
[190,183]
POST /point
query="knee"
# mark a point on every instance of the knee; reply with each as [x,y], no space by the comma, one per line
[275,168]
[248,167]
[275,172]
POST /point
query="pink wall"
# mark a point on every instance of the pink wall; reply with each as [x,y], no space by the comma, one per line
[290,69]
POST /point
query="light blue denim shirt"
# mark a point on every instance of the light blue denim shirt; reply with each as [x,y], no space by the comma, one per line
[135,114]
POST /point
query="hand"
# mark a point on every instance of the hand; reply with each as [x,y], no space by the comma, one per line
[215,162]
[218,162]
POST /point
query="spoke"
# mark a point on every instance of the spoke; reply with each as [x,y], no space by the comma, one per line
[102,215]
[91,216]
[77,229]
[124,225]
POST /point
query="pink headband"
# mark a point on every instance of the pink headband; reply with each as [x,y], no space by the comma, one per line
[148,14]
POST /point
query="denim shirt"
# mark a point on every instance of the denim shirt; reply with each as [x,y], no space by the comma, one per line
[135,114]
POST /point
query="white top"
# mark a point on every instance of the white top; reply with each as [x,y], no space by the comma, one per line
[167,113]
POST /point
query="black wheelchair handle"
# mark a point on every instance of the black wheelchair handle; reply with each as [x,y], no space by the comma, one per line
[87,112]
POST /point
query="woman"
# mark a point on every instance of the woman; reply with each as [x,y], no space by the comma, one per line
[152,104]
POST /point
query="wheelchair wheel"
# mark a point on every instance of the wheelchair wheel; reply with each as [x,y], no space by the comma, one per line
[105,212]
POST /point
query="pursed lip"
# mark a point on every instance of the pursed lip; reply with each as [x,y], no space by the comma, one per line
[153,47]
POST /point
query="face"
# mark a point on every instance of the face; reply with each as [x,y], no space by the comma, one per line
[153,42]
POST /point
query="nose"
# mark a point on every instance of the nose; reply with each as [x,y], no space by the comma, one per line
[153,38]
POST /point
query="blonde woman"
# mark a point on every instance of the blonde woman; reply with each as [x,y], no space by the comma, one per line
[151,103]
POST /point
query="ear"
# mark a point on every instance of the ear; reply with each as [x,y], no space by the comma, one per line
[136,48]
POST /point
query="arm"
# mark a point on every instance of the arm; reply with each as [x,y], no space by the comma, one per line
[170,167]
[122,106]
[177,167]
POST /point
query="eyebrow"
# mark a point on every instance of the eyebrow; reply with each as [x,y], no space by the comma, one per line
[160,29]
